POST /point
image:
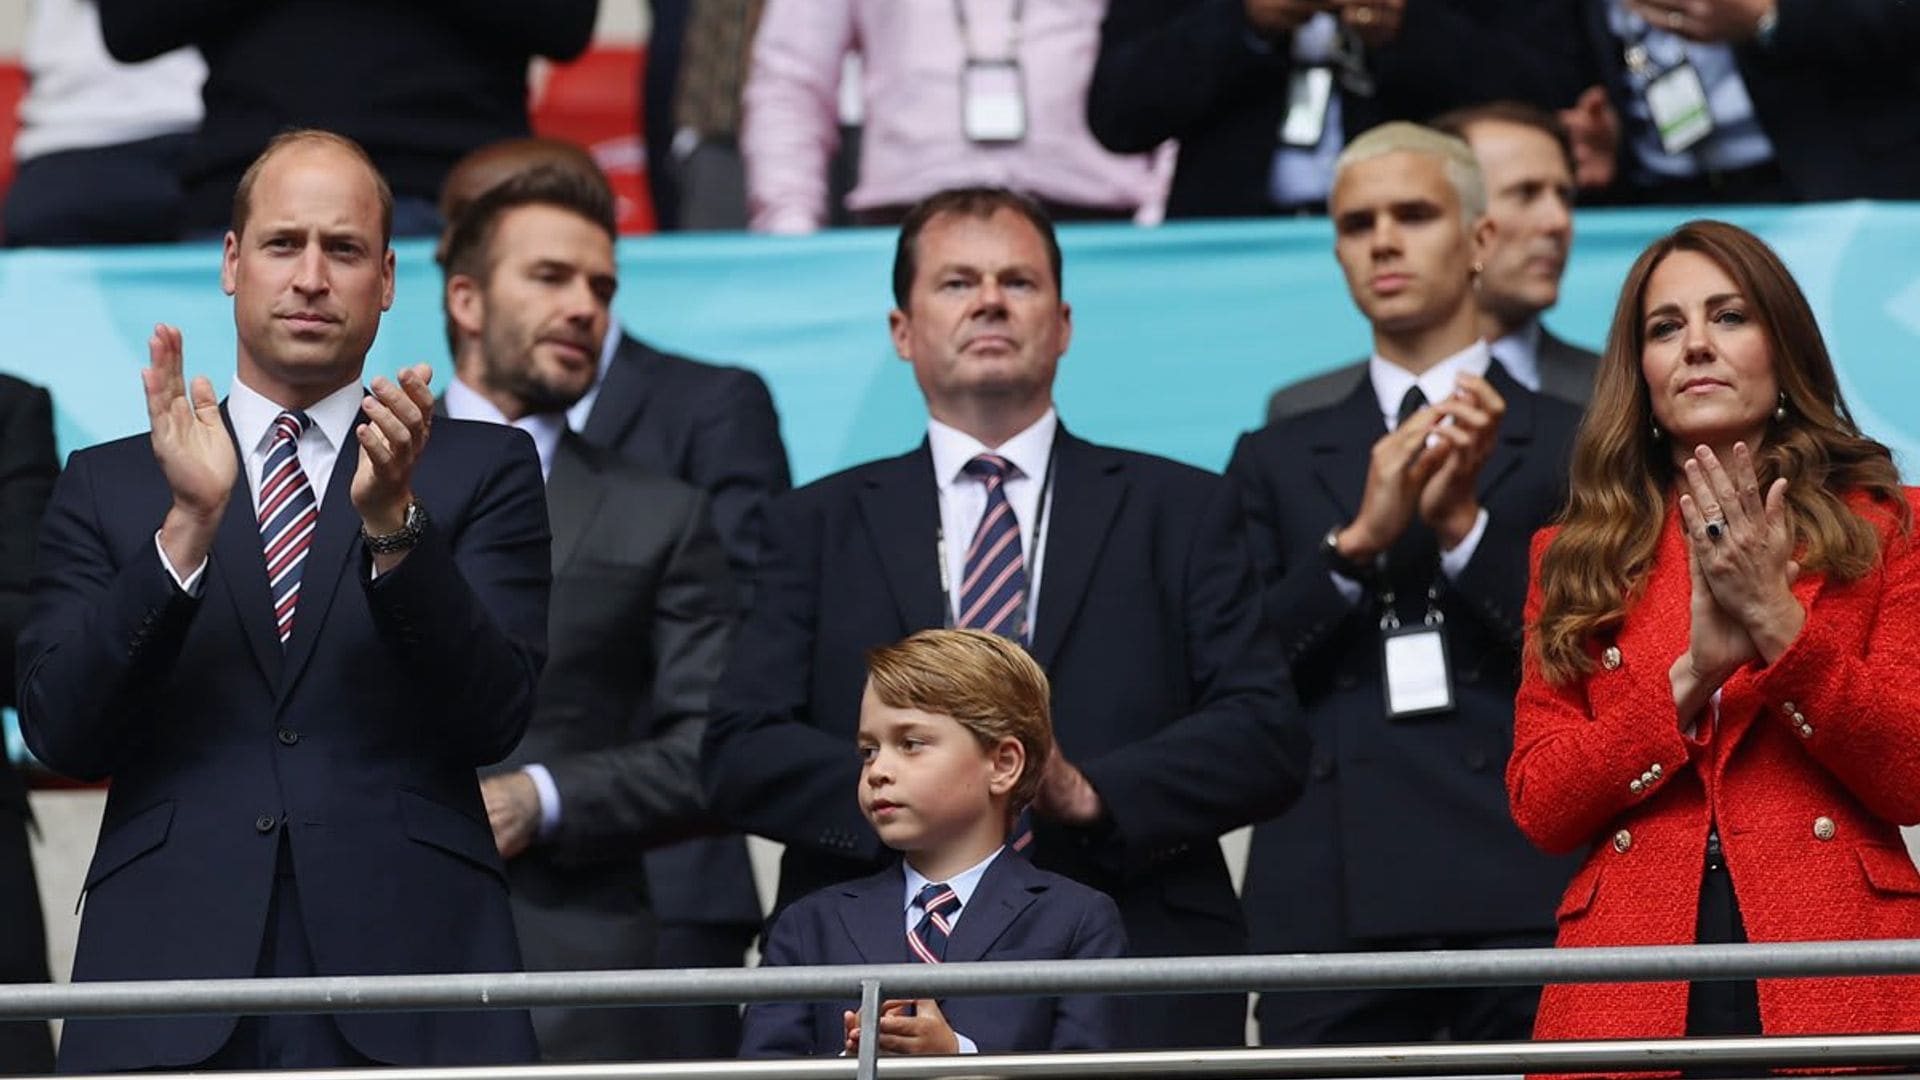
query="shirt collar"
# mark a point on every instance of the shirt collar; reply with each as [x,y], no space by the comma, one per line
[1391,381]
[963,883]
[253,414]
[466,403]
[1029,451]
[1519,353]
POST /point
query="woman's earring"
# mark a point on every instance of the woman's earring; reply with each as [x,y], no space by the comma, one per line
[1657,433]
[1780,410]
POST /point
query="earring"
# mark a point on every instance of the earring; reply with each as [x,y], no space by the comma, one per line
[1657,433]
[1780,410]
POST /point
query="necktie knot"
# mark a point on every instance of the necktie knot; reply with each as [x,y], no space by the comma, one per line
[938,899]
[290,424]
[927,941]
[1413,402]
[989,468]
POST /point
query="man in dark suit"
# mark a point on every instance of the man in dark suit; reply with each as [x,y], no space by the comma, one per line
[714,428]
[1526,161]
[1172,711]
[639,615]
[1392,530]
[1261,94]
[289,629]
[28,466]
[1806,99]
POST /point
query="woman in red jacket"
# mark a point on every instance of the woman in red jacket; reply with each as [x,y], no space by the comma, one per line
[1721,691]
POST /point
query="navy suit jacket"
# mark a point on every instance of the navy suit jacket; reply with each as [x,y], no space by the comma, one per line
[1403,829]
[1169,691]
[1018,912]
[358,741]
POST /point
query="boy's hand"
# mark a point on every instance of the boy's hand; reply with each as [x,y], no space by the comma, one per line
[924,1030]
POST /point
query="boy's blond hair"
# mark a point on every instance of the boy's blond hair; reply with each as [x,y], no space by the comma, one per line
[984,681]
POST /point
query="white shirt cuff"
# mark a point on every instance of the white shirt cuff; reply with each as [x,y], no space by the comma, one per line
[966,1045]
[189,584]
[1454,563]
[549,798]
[1349,588]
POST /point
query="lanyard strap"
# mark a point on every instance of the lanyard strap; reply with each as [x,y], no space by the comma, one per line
[966,33]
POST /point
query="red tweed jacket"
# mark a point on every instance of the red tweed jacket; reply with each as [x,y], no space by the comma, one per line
[1810,766]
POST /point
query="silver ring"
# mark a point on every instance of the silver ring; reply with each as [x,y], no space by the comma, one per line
[1715,529]
[1675,18]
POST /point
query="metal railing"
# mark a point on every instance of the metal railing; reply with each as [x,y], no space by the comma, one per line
[1351,971]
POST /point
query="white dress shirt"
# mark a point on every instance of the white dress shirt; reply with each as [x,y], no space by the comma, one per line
[963,885]
[963,499]
[1390,384]
[465,403]
[253,415]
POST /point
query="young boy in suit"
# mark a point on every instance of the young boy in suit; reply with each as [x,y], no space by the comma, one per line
[954,734]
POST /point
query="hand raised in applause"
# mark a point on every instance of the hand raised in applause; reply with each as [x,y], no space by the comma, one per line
[1066,795]
[1450,501]
[1401,464]
[399,418]
[191,443]
[1710,22]
[1750,566]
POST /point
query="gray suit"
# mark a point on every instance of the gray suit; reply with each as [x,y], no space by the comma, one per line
[1566,372]
[641,610]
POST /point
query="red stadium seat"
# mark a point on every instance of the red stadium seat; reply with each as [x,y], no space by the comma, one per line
[595,101]
[13,86]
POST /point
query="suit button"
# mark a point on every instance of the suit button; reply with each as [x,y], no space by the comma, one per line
[287,736]
[1321,768]
[1823,828]
[1622,841]
[1636,786]
[1655,770]
[1611,658]
[263,823]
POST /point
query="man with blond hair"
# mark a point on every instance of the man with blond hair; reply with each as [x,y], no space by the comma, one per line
[1391,528]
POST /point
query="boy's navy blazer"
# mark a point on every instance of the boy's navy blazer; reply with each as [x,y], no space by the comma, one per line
[1018,912]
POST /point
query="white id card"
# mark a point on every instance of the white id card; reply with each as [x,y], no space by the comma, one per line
[993,103]
[1309,89]
[1678,102]
[1418,680]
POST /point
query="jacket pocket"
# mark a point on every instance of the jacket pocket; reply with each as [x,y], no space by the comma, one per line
[1889,870]
[128,841]
[436,825]
[1580,892]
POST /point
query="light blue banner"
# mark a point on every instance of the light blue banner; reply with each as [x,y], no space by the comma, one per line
[1179,332]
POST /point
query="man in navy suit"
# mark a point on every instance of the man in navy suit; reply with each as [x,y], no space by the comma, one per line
[953,741]
[289,628]
[1174,718]
[1394,523]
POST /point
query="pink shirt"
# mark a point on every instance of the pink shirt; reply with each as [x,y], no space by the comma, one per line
[912,145]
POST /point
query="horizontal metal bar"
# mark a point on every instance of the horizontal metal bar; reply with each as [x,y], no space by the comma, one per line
[1317,971]
[1417,1059]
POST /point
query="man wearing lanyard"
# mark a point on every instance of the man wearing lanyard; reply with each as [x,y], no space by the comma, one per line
[1759,100]
[1391,528]
[955,92]
[1125,575]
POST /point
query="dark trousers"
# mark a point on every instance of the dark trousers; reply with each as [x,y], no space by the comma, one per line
[26,1046]
[125,194]
[697,1032]
[1466,1014]
[1721,1008]
[286,1040]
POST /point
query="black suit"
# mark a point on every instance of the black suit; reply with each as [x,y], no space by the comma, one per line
[715,428]
[332,776]
[1189,70]
[1402,836]
[641,607]
[28,465]
[1566,372]
[1836,94]
[1169,691]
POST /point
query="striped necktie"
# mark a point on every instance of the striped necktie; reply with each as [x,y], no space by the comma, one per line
[287,517]
[928,941]
[993,595]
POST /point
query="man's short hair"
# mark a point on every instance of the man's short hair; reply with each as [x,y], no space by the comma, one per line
[984,681]
[495,163]
[977,202]
[470,239]
[243,192]
[1458,164]
[1458,122]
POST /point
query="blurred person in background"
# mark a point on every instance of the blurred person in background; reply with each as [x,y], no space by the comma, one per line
[101,143]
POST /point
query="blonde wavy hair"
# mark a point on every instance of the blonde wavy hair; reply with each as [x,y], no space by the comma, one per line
[1622,476]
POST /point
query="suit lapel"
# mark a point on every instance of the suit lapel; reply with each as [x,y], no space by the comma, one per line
[1088,487]
[1343,446]
[242,563]
[624,390]
[335,535]
[875,916]
[900,505]
[1008,888]
[1514,440]
[572,497]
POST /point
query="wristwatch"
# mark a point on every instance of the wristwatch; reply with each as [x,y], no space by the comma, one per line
[402,539]
[1365,573]
[1763,30]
